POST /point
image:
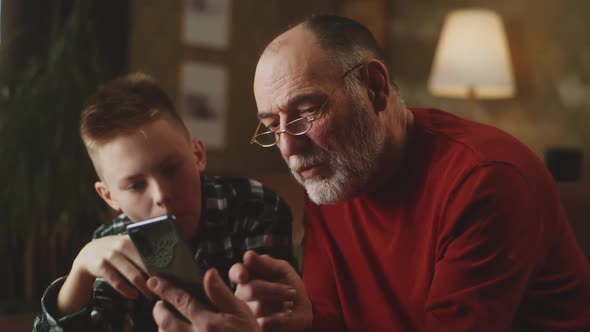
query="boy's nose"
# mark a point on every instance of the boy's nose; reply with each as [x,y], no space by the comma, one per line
[162,195]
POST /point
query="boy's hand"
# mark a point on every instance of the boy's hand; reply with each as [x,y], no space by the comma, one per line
[113,258]
[274,292]
[233,314]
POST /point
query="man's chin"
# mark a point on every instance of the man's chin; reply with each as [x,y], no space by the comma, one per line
[186,228]
[311,182]
[319,188]
[320,191]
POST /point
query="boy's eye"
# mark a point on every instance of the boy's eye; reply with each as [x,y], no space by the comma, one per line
[136,186]
[170,170]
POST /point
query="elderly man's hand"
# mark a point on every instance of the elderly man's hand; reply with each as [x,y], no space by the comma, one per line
[233,315]
[274,292]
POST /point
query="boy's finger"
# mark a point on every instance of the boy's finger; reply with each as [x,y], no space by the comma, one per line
[187,305]
[132,254]
[132,273]
[118,282]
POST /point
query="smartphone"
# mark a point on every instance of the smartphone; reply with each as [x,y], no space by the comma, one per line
[165,254]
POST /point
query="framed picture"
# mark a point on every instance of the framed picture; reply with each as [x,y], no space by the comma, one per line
[207,23]
[203,102]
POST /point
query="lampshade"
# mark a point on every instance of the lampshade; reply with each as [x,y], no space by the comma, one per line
[472,53]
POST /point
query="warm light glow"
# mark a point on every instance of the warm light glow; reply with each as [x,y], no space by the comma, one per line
[472,52]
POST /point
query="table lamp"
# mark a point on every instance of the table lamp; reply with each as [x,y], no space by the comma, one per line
[472,58]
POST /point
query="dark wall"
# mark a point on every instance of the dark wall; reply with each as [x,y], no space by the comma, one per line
[156,47]
[46,222]
[24,18]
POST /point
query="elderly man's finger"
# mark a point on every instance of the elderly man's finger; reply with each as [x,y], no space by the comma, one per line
[260,309]
[276,322]
[238,274]
[264,266]
[262,290]
[221,295]
[167,320]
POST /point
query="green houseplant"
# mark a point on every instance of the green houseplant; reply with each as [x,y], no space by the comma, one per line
[47,198]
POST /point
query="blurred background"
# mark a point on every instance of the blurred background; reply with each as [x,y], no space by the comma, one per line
[54,53]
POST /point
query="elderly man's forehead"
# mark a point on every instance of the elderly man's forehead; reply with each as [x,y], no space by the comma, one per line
[294,66]
[295,56]
[299,44]
[296,37]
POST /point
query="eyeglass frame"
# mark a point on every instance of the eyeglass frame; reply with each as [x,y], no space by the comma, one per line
[310,119]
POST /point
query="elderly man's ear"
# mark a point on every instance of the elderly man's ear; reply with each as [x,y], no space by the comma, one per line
[377,79]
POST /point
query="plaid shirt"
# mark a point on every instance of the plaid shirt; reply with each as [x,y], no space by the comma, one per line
[238,215]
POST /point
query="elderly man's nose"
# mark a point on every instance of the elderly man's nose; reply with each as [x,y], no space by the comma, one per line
[290,145]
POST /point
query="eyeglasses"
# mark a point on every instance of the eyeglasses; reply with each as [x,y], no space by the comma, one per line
[297,127]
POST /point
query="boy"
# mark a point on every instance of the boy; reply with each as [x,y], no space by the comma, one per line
[149,167]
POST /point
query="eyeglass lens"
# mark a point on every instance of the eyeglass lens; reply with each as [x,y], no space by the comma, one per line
[296,127]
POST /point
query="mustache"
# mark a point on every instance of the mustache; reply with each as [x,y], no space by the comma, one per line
[298,163]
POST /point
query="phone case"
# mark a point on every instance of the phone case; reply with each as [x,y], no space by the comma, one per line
[165,254]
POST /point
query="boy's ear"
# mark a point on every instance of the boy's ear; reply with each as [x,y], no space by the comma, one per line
[200,154]
[104,193]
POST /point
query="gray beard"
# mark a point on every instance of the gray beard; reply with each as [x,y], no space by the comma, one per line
[351,166]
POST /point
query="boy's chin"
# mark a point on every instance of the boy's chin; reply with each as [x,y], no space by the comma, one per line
[187,225]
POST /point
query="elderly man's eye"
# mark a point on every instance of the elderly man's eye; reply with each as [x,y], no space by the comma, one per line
[273,126]
[309,112]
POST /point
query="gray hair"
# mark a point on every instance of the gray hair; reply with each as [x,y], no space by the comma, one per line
[347,41]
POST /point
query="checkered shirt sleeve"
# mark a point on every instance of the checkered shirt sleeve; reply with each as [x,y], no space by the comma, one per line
[237,215]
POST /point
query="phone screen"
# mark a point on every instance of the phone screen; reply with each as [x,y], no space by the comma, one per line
[165,254]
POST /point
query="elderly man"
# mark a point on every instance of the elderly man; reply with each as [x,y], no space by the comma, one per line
[416,220]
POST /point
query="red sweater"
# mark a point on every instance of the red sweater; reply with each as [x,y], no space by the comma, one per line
[472,237]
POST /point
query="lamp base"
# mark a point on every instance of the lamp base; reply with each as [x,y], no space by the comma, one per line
[473,110]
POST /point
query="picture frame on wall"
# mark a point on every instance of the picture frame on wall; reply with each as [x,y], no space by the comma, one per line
[203,102]
[206,23]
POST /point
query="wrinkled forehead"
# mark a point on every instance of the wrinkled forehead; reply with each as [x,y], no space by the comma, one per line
[291,65]
[282,75]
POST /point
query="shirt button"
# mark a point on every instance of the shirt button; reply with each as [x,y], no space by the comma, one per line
[95,315]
